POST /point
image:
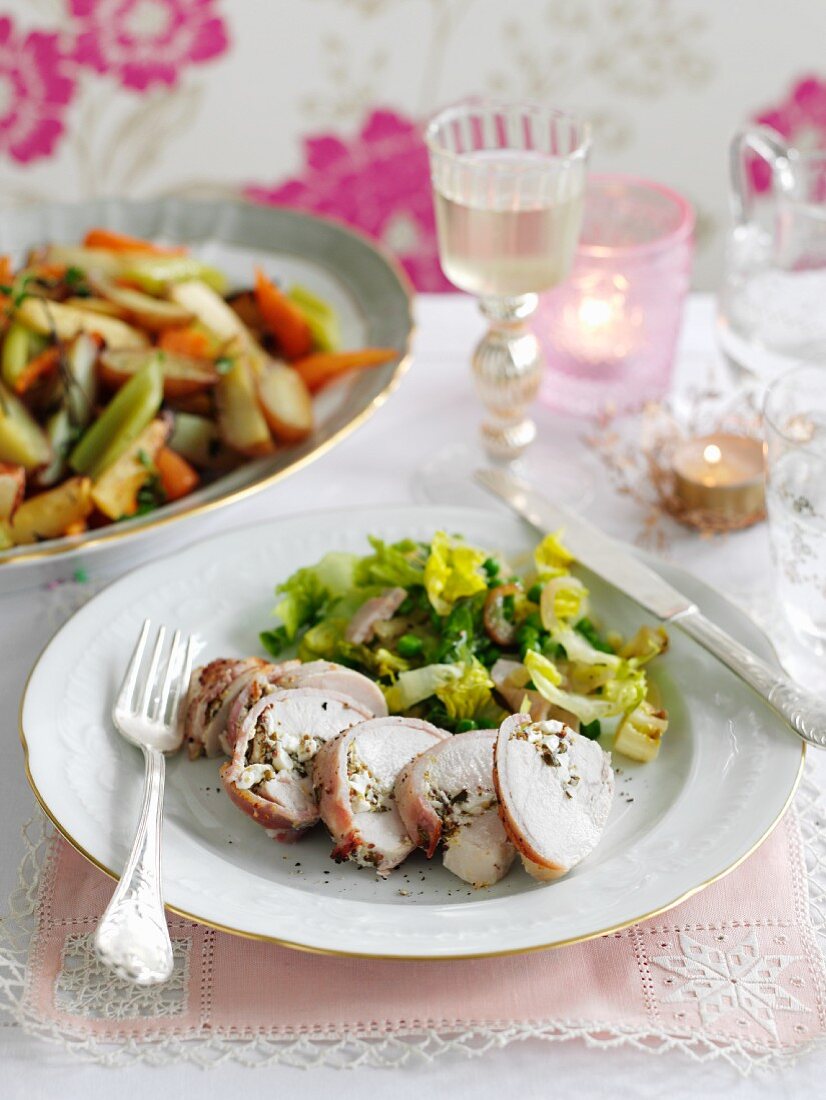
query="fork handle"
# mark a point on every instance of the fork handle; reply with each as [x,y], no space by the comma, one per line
[803,711]
[132,937]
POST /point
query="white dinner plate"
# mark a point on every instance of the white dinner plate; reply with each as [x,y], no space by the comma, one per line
[367,287]
[727,770]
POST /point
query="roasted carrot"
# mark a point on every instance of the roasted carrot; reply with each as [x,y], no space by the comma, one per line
[283,318]
[44,363]
[323,367]
[178,478]
[186,341]
[122,242]
[6,271]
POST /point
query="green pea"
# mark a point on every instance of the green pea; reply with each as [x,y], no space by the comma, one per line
[465,725]
[409,646]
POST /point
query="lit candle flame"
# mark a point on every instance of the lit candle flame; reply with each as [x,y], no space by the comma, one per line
[712,454]
[595,312]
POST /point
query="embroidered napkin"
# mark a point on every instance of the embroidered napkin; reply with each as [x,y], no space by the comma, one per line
[735,970]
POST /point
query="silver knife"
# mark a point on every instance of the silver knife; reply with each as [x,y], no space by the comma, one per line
[803,711]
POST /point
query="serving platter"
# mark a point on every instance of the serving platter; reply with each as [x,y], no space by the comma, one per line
[365,285]
[727,770]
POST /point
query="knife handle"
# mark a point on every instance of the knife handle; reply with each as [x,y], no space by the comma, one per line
[804,712]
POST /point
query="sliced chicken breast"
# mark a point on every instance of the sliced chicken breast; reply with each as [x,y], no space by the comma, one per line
[266,679]
[362,626]
[270,775]
[212,689]
[328,676]
[355,776]
[447,793]
[555,789]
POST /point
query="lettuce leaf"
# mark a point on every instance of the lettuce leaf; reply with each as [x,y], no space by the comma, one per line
[309,592]
[305,599]
[551,558]
[563,600]
[580,650]
[419,684]
[618,695]
[453,570]
[392,564]
[468,694]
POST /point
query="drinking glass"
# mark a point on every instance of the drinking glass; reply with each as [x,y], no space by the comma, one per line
[795,432]
[508,185]
[771,316]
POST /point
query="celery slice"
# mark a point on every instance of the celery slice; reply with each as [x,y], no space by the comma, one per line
[154,273]
[320,316]
[123,419]
[19,347]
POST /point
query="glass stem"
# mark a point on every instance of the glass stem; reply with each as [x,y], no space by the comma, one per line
[507,370]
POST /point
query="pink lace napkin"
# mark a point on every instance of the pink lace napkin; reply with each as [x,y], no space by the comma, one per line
[736,969]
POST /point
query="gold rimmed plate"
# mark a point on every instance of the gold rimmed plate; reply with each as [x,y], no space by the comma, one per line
[726,773]
[364,283]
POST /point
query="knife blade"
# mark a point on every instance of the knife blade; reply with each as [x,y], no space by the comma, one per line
[804,712]
[590,546]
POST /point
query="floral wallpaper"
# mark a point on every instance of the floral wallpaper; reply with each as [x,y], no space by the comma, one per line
[318,104]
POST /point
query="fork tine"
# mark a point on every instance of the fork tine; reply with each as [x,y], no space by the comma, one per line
[130,680]
[159,714]
[151,676]
[181,684]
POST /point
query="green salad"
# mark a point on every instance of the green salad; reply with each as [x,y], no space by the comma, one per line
[458,636]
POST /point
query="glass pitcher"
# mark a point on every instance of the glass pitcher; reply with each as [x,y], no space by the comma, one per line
[773,305]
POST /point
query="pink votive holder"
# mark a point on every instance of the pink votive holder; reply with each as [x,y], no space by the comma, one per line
[609,331]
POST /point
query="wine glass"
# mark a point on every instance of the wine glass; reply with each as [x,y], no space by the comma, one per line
[508,184]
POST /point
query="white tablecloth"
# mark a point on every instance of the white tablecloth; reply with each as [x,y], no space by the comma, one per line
[432,407]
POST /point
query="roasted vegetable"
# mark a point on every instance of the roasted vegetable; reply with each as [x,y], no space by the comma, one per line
[216,316]
[320,369]
[151,313]
[285,402]
[116,491]
[12,487]
[122,242]
[22,441]
[320,316]
[65,322]
[124,418]
[81,379]
[178,478]
[182,375]
[48,515]
[195,438]
[241,422]
[20,346]
[283,318]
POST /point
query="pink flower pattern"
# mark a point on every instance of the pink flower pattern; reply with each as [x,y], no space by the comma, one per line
[147,42]
[35,90]
[800,118]
[378,182]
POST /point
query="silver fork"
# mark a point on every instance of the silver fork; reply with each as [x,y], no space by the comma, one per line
[132,937]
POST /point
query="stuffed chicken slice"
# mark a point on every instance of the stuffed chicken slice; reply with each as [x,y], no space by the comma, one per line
[264,680]
[355,777]
[212,690]
[328,676]
[270,775]
[555,789]
[447,793]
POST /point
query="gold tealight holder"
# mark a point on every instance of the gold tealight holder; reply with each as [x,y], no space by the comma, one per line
[720,476]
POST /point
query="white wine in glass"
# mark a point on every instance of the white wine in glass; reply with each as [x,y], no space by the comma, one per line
[508,184]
